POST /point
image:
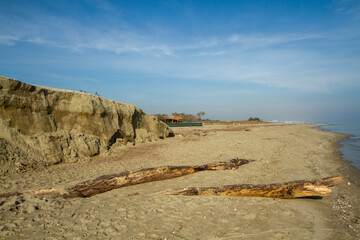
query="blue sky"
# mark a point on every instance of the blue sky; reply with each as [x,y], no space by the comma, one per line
[284,60]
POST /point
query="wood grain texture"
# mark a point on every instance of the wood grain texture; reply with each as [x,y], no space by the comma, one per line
[294,189]
[114,181]
[109,182]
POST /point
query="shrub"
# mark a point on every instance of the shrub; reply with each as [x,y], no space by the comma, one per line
[254,119]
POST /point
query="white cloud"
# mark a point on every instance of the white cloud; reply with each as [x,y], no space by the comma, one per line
[261,40]
[76,36]
[293,69]
[8,40]
[351,7]
[212,53]
[247,58]
[65,33]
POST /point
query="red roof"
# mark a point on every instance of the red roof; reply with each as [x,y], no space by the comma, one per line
[173,117]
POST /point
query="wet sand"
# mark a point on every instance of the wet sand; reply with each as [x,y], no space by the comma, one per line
[281,154]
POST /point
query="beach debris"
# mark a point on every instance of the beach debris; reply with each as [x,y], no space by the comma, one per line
[114,181]
[294,189]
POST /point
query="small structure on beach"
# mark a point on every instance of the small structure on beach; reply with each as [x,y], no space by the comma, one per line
[173,119]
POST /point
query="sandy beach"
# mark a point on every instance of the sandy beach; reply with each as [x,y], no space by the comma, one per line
[281,153]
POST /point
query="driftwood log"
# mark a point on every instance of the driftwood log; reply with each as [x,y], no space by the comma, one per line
[109,182]
[295,189]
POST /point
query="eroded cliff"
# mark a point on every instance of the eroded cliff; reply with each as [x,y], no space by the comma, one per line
[41,126]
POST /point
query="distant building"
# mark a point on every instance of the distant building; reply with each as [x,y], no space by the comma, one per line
[173,119]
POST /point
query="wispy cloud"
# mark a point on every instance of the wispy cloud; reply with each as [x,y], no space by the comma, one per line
[68,33]
[211,53]
[8,39]
[261,40]
[225,57]
[348,7]
[232,57]
[292,69]
[71,35]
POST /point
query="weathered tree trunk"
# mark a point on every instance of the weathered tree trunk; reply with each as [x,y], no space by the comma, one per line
[295,189]
[109,182]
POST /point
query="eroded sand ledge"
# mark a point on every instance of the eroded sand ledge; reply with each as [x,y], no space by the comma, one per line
[41,126]
[282,153]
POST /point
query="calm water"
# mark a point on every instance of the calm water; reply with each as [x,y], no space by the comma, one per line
[351,146]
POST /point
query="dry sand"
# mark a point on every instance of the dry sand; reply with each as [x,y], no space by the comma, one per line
[282,153]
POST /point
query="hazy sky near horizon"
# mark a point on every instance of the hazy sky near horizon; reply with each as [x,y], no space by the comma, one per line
[284,60]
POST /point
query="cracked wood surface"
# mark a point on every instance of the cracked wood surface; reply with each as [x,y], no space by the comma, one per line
[114,181]
[294,189]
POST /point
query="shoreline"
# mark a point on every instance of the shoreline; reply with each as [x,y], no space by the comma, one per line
[349,145]
[347,169]
[345,207]
[281,154]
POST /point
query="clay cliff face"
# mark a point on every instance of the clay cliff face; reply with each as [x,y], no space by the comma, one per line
[41,126]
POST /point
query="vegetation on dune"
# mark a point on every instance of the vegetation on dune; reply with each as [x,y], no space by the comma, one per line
[254,119]
[200,114]
[187,117]
[190,118]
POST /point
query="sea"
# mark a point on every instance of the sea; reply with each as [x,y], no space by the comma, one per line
[350,146]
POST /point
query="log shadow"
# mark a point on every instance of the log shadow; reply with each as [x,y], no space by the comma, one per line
[312,197]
